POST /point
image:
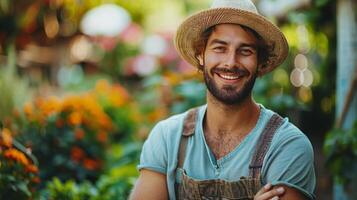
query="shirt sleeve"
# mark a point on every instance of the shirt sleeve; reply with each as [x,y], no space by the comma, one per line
[290,162]
[154,153]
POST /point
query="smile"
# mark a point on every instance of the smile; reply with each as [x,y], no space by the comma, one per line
[228,77]
[230,74]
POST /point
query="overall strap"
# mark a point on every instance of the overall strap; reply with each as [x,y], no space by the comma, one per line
[189,125]
[263,145]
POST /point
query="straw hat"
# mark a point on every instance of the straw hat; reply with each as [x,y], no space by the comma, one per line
[241,12]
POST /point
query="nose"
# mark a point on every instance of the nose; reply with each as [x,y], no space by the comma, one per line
[230,60]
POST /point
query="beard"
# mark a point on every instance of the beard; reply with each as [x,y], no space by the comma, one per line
[228,94]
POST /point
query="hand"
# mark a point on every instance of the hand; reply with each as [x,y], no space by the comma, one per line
[269,193]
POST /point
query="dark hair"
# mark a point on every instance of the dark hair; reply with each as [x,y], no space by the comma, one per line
[263,49]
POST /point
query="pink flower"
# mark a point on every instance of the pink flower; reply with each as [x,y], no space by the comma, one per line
[106,42]
[133,34]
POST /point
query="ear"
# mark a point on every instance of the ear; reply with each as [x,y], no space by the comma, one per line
[200,59]
[260,70]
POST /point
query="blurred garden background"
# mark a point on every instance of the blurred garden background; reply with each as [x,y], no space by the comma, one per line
[83,82]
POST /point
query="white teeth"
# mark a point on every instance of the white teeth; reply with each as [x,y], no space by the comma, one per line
[228,77]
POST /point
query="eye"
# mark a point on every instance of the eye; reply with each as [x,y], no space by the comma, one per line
[219,49]
[246,51]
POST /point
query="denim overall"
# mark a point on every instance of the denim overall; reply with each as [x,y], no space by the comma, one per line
[217,189]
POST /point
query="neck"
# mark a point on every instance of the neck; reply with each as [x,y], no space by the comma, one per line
[237,119]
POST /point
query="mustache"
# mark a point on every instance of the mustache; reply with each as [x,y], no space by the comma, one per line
[234,70]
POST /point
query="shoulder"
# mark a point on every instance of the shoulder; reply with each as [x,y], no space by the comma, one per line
[289,135]
[160,145]
[170,129]
[169,125]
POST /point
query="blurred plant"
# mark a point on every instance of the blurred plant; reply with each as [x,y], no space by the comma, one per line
[189,93]
[18,169]
[116,183]
[71,135]
[120,107]
[113,61]
[340,148]
[12,95]
[107,188]
[276,93]
[68,190]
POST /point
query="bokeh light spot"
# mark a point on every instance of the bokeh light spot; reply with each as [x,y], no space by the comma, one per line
[297,77]
[305,94]
[300,61]
[308,78]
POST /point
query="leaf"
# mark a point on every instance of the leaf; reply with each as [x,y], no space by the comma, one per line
[23,188]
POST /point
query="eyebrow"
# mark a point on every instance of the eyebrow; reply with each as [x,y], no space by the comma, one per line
[217,41]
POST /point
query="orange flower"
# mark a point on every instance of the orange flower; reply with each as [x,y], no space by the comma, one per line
[105,122]
[157,114]
[16,155]
[115,94]
[36,179]
[101,85]
[79,133]
[28,109]
[118,96]
[6,139]
[77,154]
[172,78]
[71,103]
[31,169]
[102,137]
[49,105]
[75,118]
[91,164]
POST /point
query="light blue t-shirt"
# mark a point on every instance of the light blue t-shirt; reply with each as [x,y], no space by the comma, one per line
[289,160]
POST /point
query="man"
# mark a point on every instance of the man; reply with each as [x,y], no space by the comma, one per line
[231,148]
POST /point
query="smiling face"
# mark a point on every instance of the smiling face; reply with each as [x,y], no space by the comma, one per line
[230,63]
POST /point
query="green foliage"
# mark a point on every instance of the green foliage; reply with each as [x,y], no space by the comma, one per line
[191,93]
[62,155]
[320,3]
[340,148]
[13,182]
[70,136]
[106,188]
[113,185]
[14,90]
[69,190]
[274,92]
[18,172]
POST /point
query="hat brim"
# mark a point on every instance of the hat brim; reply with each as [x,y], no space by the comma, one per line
[192,28]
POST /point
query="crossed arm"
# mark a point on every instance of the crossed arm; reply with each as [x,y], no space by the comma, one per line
[152,186]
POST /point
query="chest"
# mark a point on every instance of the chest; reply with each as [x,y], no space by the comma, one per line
[201,163]
[222,144]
